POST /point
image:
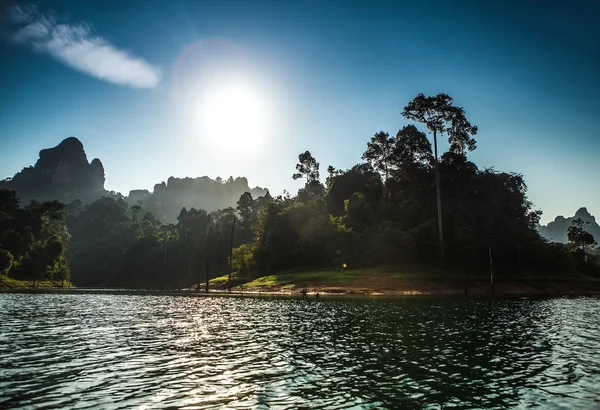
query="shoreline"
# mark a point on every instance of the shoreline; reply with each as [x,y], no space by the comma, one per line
[523,288]
[514,288]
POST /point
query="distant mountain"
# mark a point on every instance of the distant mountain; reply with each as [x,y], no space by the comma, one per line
[61,173]
[200,193]
[557,230]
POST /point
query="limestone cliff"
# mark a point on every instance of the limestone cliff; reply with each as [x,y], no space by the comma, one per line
[557,230]
[61,173]
[200,193]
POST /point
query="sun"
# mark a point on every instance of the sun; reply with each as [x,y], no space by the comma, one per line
[233,116]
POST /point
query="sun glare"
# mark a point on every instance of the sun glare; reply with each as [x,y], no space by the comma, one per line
[233,116]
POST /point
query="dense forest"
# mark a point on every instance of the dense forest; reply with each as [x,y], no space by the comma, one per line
[403,205]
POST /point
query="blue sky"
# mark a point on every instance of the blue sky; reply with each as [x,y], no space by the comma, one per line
[327,75]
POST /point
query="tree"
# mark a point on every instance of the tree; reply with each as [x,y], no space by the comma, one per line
[440,115]
[246,207]
[412,148]
[361,179]
[379,153]
[307,167]
[412,158]
[167,232]
[135,213]
[247,210]
[6,261]
[579,236]
[32,239]
[332,173]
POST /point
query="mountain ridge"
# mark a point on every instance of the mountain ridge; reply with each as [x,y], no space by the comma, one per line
[63,173]
[556,230]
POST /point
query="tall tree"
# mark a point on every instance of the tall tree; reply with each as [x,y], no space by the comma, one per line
[579,236]
[412,148]
[248,212]
[307,167]
[440,116]
[379,153]
[246,208]
[361,179]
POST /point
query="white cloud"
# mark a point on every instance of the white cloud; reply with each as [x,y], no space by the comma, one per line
[77,46]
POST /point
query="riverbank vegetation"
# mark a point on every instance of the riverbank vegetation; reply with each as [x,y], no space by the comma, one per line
[389,280]
[403,205]
[33,240]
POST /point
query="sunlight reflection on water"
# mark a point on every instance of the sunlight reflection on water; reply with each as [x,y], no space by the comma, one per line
[123,351]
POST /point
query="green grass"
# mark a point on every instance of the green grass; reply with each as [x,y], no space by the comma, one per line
[326,277]
[289,279]
[16,283]
[221,281]
[346,277]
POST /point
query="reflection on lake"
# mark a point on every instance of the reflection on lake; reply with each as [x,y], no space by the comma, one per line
[121,351]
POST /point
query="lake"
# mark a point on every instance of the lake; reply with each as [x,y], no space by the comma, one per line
[148,351]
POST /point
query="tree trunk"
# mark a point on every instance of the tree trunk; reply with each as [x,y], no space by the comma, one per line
[165,267]
[199,272]
[165,254]
[439,198]
[207,280]
[231,255]
[491,272]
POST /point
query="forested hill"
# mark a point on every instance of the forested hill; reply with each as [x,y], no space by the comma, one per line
[64,174]
[557,230]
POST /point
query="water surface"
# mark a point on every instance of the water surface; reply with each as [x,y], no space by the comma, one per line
[123,351]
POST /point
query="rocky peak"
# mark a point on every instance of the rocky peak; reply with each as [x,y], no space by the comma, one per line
[61,173]
[582,213]
[557,229]
[97,178]
[199,193]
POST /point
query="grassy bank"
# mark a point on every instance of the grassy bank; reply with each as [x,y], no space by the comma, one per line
[392,281]
[11,283]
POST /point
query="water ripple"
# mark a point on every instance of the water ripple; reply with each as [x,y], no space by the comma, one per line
[146,351]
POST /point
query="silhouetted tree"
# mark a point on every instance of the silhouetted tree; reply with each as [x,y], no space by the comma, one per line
[380,152]
[307,168]
[361,179]
[578,236]
[440,115]
[247,209]
[411,147]
[32,239]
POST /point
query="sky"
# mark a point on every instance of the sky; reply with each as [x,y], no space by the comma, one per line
[218,88]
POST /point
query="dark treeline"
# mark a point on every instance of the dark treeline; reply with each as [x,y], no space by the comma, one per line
[33,239]
[110,243]
[114,244]
[404,205]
